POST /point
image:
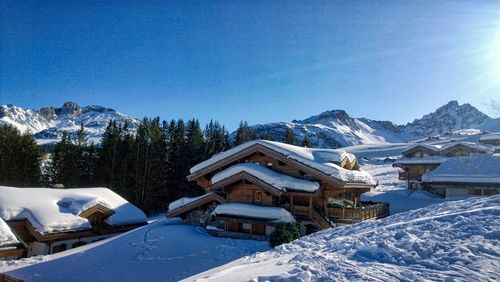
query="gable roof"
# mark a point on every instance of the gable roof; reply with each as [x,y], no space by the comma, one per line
[470,145]
[324,161]
[476,168]
[423,147]
[57,210]
[7,237]
[277,180]
[187,204]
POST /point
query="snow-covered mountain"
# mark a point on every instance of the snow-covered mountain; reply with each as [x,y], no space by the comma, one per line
[337,129]
[50,122]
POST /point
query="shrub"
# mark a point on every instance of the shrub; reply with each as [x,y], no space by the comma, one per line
[284,233]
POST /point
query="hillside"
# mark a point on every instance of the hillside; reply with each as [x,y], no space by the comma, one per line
[456,240]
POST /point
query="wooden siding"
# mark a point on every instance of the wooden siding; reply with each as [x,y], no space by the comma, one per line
[246,193]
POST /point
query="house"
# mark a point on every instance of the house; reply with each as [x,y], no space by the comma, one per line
[261,183]
[473,175]
[422,158]
[47,221]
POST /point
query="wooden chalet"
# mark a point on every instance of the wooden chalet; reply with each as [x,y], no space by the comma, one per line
[263,183]
[474,175]
[54,220]
[421,158]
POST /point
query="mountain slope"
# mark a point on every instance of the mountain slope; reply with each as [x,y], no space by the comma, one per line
[49,122]
[336,128]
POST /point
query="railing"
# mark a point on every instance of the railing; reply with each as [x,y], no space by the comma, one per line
[300,210]
[367,211]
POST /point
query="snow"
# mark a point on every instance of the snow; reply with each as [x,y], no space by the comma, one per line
[451,241]
[279,181]
[162,251]
[422,160]
[184,201]
[269,214]
[476,168]
[493,136]
[320,159]
[434,148]
[472,145]
[56,210]
[6,235]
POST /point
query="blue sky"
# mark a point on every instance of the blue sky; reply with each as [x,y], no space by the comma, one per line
[259,61]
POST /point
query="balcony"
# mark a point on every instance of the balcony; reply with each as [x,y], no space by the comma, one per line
[368,210]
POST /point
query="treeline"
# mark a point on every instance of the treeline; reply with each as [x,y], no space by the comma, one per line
[147,167]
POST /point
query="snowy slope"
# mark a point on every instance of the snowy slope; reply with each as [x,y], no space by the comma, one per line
[162,251]
[457,240]
[48,123]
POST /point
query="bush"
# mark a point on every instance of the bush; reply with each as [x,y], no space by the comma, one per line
[284,233]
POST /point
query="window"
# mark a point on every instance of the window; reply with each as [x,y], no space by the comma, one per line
[269,164]
[246,226]
[258,196]
[307,176]
[58,248]
[281,163]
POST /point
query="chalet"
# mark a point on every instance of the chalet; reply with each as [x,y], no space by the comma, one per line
[256,185]
[422,158]
[44,221]
[473,175]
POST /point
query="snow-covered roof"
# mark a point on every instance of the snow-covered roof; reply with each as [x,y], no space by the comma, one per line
[269,214]
[492,136]
[277,180]
[323,160]
[6,236]
[471,145]
[57,210]
[184,201]
[433,148]
[420,161]
[476,168]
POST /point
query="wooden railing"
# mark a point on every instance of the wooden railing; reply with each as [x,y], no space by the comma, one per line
[362,213]
[300,210]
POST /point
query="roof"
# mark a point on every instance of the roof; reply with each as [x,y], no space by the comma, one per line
[476,168]
[263,213]
[432,148]
[492,136]
[7,238]
[322,160]
[57,210]
[471,145]
[186,204]
[277,180]
[429,160]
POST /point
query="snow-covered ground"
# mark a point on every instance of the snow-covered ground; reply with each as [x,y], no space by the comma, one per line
[394,191]
[162,251]
[451,241]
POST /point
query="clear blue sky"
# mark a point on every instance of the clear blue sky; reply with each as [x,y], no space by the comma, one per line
[259,61]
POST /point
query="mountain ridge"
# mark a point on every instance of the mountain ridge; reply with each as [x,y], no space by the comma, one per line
[329,129]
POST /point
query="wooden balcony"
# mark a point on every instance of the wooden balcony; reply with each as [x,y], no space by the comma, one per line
[300,210]
[366,211]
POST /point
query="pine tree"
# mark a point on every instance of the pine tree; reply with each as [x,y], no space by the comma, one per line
[244,133]
[81,136]
[19,158]
[290,137]
[216,138]
[306,142]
